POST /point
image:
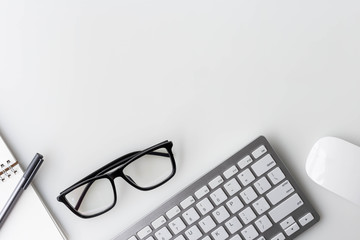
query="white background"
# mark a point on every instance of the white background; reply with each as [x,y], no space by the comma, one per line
[83,82]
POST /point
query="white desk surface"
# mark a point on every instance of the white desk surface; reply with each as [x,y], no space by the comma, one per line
[84,82]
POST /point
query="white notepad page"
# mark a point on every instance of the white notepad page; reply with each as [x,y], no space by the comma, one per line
[29,219]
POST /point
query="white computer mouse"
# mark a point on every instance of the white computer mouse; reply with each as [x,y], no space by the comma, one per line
[334,164]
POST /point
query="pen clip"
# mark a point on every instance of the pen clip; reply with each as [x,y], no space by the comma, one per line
[38,160]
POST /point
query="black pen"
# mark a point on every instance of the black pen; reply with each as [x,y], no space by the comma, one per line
[21,186]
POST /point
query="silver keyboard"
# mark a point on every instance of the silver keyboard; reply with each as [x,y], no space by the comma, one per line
[250,196]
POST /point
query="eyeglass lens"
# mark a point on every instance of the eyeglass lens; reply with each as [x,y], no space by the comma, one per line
[93,197]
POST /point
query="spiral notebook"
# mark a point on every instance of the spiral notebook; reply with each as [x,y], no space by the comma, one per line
[30,218]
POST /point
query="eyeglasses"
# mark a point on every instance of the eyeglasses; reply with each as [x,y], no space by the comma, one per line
[145,170]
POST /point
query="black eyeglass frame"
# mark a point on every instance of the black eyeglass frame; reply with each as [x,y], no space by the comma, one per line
[110,172]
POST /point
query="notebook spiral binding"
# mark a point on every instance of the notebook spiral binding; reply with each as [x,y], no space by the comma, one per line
[7,170]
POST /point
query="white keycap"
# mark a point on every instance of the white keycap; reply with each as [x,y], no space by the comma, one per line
[236,237]
[244,162]
[221,214]
[276,175]
[248,195]
[287,222]
[218,196]
[204,206]
[279,236]
[259,151]
[151,238]
[280,192]
[246,177]
[230,172]
[206,238]
[190,216]
[220,234]
[261,238]
[132,238]
[234,204]
[249,233]
[263,165]
[181,237]
[263,223]
[158,222]
[233,225]
[202,192]
[247,215]
[207,224]
[173,212]
[216,182]
[177,225]
[144,232]
[163,234]
[306,219]
[293,228]
[193,233]
[262,185]
[285,208]
[232,187]
[261,206]
[187,202]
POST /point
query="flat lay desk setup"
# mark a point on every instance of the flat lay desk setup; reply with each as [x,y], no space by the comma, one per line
[99,86]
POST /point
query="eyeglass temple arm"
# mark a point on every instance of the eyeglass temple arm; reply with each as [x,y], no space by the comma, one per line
[99,171]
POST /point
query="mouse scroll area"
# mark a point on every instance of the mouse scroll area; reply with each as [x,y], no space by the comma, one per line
[334,164]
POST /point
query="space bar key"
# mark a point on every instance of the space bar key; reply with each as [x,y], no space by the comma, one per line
[286,207]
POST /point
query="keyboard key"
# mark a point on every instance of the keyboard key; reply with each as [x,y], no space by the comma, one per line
[204,206]
[132,238]
[261,206]
[220,234]
[233,225]
[193,233]
[201,192]
[207,224]
[276,175]
[263,165]
[263,223]
[293,228]
[246,177]
[232,187]
[247,215]
[206,238]
[261,238]
[259,151]
[287,222]
[285,208]
[249,233]
[230,172]
[173,212]
[234,204]
[280,192]
[163,234]
[236,237]
[248,195]
[177,225]
[279,236]
[262,185]
[218,196]
[191,216]
[144,232]
[216,182]
[181,237]
[221,214]
[187,202]
[151,238]
[158,222]
[306,219]
[244,162]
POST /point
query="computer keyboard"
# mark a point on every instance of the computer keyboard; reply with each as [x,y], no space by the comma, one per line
[249,196]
